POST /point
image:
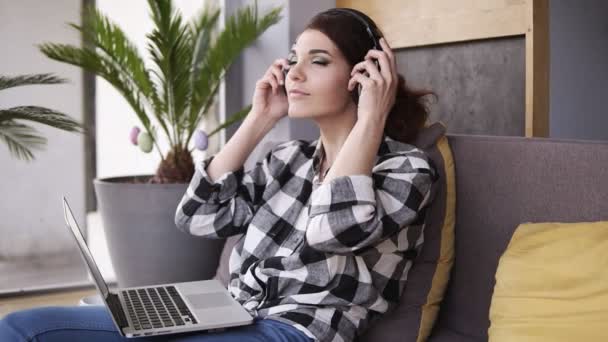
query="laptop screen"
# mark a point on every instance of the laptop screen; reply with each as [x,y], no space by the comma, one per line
[86,254]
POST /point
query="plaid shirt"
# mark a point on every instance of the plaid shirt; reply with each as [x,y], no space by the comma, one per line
[327,258]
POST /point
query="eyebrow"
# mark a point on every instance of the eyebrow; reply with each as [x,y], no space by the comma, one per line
[313,51]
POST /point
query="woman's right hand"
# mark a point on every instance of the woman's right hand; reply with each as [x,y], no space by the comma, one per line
[269,99]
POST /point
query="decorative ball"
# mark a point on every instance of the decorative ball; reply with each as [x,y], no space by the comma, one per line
[201,140]
[133,135]
[145,142]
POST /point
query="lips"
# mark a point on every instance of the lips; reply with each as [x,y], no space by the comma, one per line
[298,92]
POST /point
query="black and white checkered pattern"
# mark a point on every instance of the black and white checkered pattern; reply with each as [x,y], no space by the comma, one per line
[327,258]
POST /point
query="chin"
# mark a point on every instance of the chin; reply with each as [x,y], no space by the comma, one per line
[298,113]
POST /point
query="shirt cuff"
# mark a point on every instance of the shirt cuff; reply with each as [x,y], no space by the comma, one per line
[341,192]
[219,191]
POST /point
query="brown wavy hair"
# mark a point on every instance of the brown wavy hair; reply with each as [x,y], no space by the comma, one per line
[410,112]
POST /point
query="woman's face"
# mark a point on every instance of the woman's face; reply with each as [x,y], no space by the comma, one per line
[318,69]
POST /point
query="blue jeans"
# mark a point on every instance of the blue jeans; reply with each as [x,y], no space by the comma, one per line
[93,324]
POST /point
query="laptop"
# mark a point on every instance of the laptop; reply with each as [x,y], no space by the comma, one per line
[163,309]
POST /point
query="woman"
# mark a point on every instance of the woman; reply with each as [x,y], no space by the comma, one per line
[330,227]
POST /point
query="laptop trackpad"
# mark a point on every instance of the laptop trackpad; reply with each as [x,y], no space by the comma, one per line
[209,300]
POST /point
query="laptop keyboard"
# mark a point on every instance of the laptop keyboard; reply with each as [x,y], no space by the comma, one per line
[157,307]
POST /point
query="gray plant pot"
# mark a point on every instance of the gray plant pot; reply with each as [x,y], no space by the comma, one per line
[144,245]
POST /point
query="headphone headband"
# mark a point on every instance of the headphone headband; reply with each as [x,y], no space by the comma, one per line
[365,22]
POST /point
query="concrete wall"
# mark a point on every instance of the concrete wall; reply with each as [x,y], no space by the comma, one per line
[579,69]
[31,211]
[480,85]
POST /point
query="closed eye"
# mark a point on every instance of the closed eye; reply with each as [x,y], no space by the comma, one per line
[314,62]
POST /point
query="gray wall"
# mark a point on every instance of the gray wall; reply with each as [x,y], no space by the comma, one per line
[480,85]
[579,69]
[30,208]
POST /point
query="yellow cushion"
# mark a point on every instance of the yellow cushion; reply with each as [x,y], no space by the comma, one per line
[552,284]
[430,309]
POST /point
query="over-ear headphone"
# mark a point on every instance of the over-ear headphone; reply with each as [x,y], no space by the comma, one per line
[374,37]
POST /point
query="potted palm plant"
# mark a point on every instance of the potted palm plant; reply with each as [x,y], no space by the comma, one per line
[20,138]
[189,61]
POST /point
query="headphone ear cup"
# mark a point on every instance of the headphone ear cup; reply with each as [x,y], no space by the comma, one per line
[355,93]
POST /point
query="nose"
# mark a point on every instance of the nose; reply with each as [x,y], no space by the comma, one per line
[295,73]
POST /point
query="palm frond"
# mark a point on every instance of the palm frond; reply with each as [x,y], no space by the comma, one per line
[202,30]
[22,80]
[21,139]
[102,66]
[232,119]
[170,45]
[189,62]
[110,41]
[41,115]
[240,31]
[109,38]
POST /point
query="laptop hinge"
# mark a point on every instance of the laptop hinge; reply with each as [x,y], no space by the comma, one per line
[117,311]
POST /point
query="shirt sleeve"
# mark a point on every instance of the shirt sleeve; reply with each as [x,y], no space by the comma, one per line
[350,213]
[225,207]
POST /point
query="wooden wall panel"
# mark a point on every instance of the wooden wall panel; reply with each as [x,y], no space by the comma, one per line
[537,69]
[419,23]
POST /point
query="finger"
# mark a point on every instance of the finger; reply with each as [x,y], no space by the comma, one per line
[278,74]
[280,64]
[361,79]
[263,84]
[386,67]
[389,52]
[275,85]
[272,82]
[370,67]
[386,48]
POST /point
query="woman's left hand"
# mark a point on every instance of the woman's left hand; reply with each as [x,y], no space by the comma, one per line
[379,89]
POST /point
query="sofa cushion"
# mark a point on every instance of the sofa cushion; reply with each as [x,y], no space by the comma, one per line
[443,335]
[500,183]
[427,280]
[223,272]
[552,284]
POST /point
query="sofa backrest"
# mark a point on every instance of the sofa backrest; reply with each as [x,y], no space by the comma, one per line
[500,183]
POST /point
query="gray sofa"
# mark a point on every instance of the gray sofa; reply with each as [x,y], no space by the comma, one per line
[500,183]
